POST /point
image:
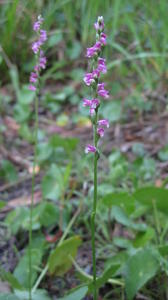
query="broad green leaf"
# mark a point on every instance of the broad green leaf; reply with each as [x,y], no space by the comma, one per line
[163,249]
[142,238]
[8,171]
[121,217]
[59,261]
[73,50]
[49,214]
[55,38]
[78,294]
[44,152]
[11,279]
[21,271]
[112,111]
[16,218]
[25,96]
[151,196]
[139,268]
[138,149]
[122,243]
[38,295]
[163,153]
[123,200]
[52,183]
[68,144]
[5,296]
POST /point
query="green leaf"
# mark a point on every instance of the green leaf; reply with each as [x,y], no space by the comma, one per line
[8,171]
[142,238]
[68,144]
[5,296]
[21,271]
[52,183]
[49,214]
[163,153]
[120,216]
[140,267]
[59,261]
[122,200]
[112,111]
[44,152]
[38,295]
[78,294]
[11,279]
[2,204]
[73,50]
[25,96]
[55,39]
[151,196]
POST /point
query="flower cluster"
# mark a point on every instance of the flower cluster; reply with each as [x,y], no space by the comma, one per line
[92,79]
[36,47]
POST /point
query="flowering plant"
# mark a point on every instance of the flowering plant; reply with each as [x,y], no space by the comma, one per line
[98,90]
[34,86]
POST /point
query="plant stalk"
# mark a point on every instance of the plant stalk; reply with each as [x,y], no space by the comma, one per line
[94,210]
[33,189]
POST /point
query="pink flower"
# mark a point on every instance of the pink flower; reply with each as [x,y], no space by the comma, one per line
[101,91]
[100,132]
[43,37]
[103,122]
[90,148]
[32,88]
[87,102]
[35,47]
[37,24]
[93,50]
[95,103]
[42,60]
[33,77]
[99,25]
[103,38]
[92,112]
[102,65]
[89,79]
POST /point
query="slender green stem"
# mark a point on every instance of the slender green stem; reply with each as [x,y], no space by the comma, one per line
[94,210]
[32,196]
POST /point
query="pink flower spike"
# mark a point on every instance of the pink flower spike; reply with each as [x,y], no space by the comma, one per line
[88,79]
[36,26]
[43,37]
[33,77]
[103,122]
[100,132]
[102,65]
[96,73]
[86,102]
[101,91]
[99,25]
[103,38]
[42,62]
[35,47]
[92,112]
[32,88]
[95,103]
[90,148]
[93,50]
